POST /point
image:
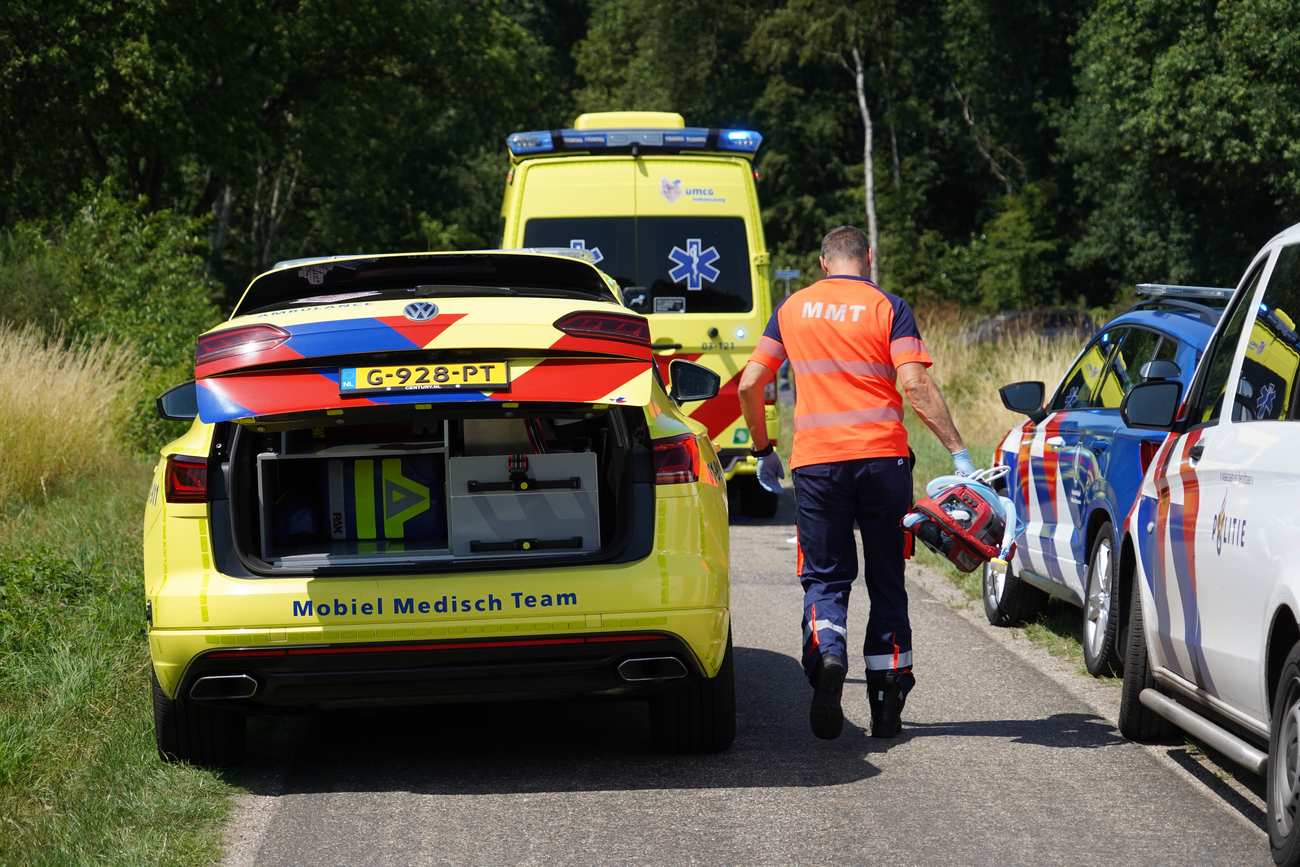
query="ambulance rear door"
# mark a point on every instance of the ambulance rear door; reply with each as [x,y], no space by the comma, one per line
[703,276]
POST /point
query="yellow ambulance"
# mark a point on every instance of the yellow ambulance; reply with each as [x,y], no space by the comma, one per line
[671,213]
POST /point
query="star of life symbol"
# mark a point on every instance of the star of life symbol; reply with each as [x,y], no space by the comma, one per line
[694,265]
[581,244]
[1264,403]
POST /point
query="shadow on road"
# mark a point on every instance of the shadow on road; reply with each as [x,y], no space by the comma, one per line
[536,747]
[785,513]
[1064,730]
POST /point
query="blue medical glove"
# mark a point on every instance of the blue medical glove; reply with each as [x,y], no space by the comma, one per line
[961,463]
[770,472]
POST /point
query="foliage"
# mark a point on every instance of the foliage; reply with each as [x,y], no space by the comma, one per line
[80,782]
[116,278]
[1024,153]
[1183,138]
[302,127]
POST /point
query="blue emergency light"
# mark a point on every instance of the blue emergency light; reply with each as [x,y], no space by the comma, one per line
[686,138]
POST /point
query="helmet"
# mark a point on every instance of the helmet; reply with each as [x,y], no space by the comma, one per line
[964,519]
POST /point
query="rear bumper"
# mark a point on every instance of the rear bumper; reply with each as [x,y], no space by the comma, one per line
[407,673]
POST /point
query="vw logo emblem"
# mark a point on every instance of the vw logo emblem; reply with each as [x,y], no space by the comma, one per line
[419,311]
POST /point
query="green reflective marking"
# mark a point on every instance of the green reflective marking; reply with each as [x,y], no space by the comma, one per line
[403,499]
[363,482]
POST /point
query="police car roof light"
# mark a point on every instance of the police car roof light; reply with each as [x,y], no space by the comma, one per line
[533,142]
[1169,290]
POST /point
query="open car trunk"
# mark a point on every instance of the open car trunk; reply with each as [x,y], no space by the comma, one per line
[406,490]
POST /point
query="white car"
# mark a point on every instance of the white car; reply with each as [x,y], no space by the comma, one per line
[1211,551]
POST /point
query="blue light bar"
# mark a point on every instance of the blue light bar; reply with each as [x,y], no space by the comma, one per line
[690,138]
[745,140]
[537,142]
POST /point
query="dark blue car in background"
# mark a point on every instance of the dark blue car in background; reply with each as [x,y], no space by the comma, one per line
[1075,467]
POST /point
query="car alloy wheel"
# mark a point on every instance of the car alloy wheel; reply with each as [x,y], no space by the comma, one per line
[995,582]
[1285,773]
[1097,611]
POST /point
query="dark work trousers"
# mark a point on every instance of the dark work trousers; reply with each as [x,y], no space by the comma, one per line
[874,494]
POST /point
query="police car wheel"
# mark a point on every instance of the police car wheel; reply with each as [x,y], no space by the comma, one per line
[1101,605]
[699,714]
[1284,765]
[187,731]
[1008,601]
[1136,721]
[751,500]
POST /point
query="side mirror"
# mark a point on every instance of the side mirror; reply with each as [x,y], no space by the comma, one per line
[180,403]
[1162,369]
[1025,398]
[691,381]
[1152,405]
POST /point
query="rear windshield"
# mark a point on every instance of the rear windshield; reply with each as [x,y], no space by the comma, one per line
[434,275]
[664,264]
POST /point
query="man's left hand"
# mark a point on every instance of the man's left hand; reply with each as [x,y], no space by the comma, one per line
[962,465]
[770,473]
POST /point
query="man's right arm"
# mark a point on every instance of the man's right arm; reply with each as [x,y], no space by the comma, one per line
[924,396]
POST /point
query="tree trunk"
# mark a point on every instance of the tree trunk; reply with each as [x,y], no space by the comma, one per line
[868,165]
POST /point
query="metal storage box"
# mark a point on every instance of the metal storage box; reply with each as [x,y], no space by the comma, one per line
[525,504]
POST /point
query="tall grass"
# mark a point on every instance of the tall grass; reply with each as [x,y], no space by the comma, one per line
[970,374]
[62,410]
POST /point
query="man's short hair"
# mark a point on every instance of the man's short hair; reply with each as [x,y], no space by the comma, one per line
[845,242]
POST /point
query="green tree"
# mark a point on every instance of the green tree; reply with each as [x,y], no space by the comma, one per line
[1183,139]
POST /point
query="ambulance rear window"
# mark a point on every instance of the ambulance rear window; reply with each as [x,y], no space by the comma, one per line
[666,264]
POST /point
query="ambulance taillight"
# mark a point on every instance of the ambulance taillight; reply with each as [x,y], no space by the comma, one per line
[677,460]
[186,479]
[610,326]
[238,341]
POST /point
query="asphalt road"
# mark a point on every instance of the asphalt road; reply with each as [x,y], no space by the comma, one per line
[1001,762]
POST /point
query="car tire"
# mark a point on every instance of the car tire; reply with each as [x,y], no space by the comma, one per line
[751,499]
[1137,722]
[1101,606]
[1011,602]
[698,715]
[187,731]
[1283,774]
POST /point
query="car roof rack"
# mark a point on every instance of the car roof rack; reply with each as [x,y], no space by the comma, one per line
[1184,293]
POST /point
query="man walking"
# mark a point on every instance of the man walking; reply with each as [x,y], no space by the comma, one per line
[852,348]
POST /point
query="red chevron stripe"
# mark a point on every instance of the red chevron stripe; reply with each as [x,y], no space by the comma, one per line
[720,412]
[421,333]
[572,380]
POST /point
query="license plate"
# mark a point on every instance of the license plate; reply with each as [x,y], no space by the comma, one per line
[480,376]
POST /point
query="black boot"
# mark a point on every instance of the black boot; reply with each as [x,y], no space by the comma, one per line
[826,715]
[887,694]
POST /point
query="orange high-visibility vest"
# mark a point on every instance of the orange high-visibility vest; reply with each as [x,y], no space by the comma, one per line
[845,339]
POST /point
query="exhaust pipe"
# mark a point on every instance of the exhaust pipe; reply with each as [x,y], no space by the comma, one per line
[643,668]
[216,687]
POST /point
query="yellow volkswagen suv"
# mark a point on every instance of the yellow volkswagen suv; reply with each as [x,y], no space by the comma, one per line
[671,213]
[435,478]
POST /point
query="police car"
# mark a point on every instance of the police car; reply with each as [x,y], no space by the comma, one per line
[671,212]
[1076,466]
[435,478]
[1212,549]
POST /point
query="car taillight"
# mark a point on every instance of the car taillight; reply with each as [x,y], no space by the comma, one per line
[186,479]
[677,460]
[238,341]
[1147,453]
[609,326]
